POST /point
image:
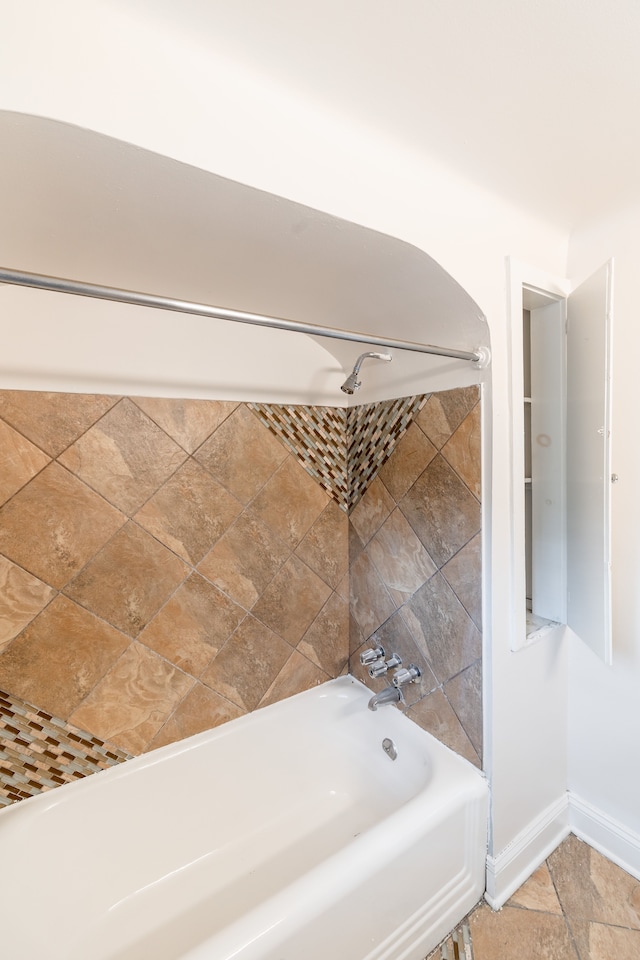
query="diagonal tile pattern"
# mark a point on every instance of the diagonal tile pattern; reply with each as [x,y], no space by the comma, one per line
[577,906]
[20,460]
[52,421]
[442,510]
[245,559]
[188,422]
[241,454]
[290,484]
[133,700]
[22,597]
[128,580]
[190,512]
[55,524]
[39,751]
[57,660]
[168,565]
[317,437]
[342,449]
[415,568]
[168,550]
[373,431]
[193,625]
[124,457]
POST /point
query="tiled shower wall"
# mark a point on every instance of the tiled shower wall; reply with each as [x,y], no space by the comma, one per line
[415,568]
[164,566]
[168,565]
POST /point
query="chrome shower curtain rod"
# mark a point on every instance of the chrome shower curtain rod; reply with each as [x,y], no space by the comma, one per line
[22,278]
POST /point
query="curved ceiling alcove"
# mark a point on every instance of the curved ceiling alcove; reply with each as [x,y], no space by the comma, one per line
[84,206]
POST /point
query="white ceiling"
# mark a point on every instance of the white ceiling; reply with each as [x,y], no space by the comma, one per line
[537,100]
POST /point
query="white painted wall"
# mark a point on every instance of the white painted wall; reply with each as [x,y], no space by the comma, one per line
[93,208]
[87,64]
[604,701]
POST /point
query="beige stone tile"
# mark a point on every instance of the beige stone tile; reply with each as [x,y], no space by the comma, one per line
[444,412]
[20,460]
[590,887]
[202,709]
[22,597]
[58,659]
[242,454]
[618,890]
[245,559]
[538,893]
[412,454]
[290,502]
[356,637]
[292,600]
[55,524]
[356,546]
[400,558]
[513,933]
[297,675]
[464,575]
[52,420]
[247,665]
[326,642]
[343,587]
[134,699]
[193,625]
[599,941]
[463,451]
[128,581]
[125,457]
[325,548]
[190,512]
[464,693]
[442,511]
[434,615]
[370,601]
[372,510]
[188,422]
[435,715]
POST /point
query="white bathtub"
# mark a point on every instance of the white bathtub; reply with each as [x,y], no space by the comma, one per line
[288,834]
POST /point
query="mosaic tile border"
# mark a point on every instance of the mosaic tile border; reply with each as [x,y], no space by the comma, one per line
[457,946]
[374,429]
[341,448]
[317,437]
[39,751]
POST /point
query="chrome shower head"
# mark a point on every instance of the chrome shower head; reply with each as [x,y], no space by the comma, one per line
[352,383]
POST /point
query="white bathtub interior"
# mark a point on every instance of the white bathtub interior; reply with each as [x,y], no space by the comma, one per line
[284,834]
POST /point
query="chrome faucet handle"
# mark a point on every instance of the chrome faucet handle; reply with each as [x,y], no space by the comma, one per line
[372,655]
[407,675]
[379,668]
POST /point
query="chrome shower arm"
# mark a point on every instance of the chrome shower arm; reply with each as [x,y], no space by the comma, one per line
[352,383]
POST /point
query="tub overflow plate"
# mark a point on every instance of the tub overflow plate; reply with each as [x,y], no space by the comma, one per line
[389,748]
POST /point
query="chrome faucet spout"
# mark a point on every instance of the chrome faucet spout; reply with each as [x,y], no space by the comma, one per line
[388,695]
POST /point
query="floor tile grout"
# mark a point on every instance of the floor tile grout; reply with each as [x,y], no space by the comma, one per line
[505,933]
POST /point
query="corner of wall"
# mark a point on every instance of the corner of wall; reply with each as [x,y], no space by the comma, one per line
[512,866]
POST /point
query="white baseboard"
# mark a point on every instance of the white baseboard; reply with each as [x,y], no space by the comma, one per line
[569,814]
[515,864]
[605,834]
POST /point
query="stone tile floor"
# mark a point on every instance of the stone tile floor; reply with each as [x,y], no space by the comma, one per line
[576,906]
